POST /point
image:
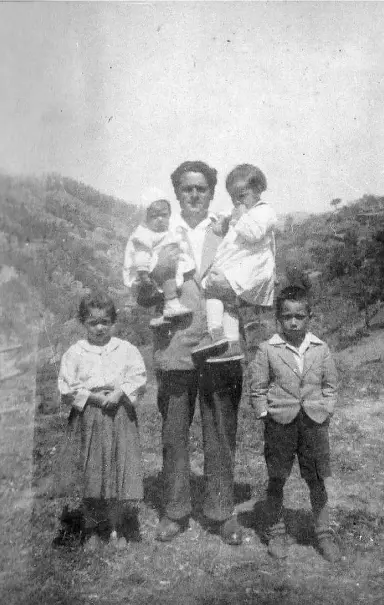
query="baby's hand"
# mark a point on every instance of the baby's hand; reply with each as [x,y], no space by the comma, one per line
[220,226]
[238,212]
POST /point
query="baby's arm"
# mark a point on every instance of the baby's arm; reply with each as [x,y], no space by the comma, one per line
[259,382]
[254,225]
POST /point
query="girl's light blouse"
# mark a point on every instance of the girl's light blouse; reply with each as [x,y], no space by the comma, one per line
[116,365]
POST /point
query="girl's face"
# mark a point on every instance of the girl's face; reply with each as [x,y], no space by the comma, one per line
[244,195]
[99,327]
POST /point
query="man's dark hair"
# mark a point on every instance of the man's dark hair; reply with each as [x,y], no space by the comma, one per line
[293,293]
[96,300]
[198,166]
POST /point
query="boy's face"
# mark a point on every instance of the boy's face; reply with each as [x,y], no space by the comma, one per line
[158,216]
[244,195]
[294,319]
[99,327]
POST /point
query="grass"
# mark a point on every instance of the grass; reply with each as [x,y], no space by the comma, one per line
[197,568]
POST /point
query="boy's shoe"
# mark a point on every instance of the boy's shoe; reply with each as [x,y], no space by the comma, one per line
[214,343]
[328,549]
[278,547]
[117,542]
[232,353]
[93,543]
[160,322]
[174,308]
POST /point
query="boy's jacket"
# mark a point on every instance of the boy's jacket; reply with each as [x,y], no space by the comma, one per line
[278,387]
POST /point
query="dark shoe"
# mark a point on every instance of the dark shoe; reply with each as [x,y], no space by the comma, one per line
[278,547]
[231,532]
[168,529]
[232,353]
[329,549]
[130,528]
[214,343]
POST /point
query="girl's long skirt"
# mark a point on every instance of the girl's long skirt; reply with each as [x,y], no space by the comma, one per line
[101,458]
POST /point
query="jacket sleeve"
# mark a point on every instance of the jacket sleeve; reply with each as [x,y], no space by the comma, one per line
[329,379]
[259,382]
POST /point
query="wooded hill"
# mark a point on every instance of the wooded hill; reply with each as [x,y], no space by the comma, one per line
[62,237]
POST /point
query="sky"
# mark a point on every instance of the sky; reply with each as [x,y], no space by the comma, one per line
[117,94]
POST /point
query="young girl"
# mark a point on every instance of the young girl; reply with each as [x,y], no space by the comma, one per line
[101,378]
[244,265]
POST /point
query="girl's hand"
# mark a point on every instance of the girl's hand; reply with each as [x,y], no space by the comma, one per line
[112,400]
[238,212]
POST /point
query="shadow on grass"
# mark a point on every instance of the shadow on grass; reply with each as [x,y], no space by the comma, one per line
[153,490]
[298,522]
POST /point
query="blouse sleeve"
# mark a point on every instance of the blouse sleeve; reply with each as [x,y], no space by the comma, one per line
[129,272]
[70,388]
[134,376]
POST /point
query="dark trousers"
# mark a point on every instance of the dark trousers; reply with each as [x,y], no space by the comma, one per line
[219,389]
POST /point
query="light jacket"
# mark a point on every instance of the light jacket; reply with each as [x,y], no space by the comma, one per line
[278,387]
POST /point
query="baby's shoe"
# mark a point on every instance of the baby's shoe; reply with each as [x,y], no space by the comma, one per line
[117,542]
[213,343]
[174,308]
[160,323]
[233,352]
[92,543]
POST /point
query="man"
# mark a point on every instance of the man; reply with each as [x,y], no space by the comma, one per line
[217,383]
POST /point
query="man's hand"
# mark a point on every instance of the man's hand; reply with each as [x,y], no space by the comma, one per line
[167,264]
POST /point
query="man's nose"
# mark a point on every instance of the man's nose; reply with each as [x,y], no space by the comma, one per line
[195,193]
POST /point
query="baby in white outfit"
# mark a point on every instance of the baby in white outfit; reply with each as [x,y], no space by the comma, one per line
[142,252]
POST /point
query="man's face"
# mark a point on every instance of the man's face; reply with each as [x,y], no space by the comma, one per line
[294,319]
[194,196]
[158,216]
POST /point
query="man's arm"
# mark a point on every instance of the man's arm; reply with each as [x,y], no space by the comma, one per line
[259,382]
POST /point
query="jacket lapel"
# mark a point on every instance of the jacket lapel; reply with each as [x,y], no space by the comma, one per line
[287,357]
[310,357]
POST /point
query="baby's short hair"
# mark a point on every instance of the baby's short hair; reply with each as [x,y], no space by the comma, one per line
[161,201]
[293,293]
[252,176]
[97,300]
[198,166]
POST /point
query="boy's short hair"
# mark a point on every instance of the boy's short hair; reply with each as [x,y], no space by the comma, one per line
[252,175]
[162,201]
[294,293]
[96,300]
[198,166]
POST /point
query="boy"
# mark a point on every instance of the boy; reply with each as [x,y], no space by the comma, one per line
[141,257]
[293,388]
[244,265]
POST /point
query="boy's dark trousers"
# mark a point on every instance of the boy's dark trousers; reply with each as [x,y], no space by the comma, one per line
[219,389]
[309,441]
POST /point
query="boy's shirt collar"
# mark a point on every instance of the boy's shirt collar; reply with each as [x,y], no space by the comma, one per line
[277,339]
[112,344]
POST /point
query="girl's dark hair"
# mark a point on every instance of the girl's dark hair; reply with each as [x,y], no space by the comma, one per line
[198,166]
[252,175]
[158,202]
[294,293]
[96,300]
